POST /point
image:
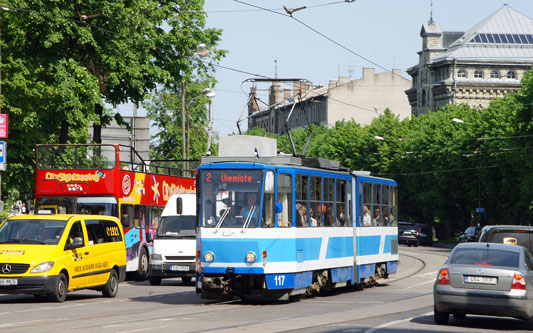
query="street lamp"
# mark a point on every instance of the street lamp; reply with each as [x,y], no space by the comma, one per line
[209,95]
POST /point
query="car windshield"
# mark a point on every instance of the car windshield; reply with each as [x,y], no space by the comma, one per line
[32,231]
[231,198]
[485,257]
[177,227]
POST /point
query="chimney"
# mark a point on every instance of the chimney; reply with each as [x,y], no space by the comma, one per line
[274,93]
[286,93]
[253,105]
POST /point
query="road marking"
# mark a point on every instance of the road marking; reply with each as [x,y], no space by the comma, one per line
[22,322]
[145,329]
[419,284]
[396,322]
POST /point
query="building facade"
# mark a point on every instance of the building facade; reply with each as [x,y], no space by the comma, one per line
[471,67]
[344,99]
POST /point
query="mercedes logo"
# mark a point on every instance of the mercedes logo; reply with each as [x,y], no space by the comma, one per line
[6,269]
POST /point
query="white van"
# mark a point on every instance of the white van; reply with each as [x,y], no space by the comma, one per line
[174,249]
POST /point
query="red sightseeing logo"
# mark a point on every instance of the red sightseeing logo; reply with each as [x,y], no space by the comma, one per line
[126,184]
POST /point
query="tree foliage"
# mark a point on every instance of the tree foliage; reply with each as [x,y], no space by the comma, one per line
[63,62]
[445,169]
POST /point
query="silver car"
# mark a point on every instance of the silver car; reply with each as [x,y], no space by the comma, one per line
[485,279]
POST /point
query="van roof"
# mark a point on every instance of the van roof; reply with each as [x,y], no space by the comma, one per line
[189,205]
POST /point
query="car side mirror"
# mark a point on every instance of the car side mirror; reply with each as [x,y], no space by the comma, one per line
[149,237]
[179,206]
[77,242]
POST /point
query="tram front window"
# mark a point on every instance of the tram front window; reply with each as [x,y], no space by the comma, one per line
[231,198]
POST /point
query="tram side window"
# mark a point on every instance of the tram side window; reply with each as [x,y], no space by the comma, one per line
[385,205]
[315,202]
[268,201]
[341,203]
[139,219]
[349,205]
[376,208]
[301,211]
[285,198]
[367,209]
[393,206]
[329,202]
[126,216]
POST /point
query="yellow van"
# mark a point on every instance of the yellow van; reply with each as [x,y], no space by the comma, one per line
[52,254]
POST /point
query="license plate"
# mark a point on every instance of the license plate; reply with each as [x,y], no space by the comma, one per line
[8,282]
[480,279]
[179,268]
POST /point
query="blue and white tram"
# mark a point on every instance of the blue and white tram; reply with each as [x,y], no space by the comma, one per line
[276,227]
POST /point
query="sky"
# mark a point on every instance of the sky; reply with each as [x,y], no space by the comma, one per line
[324,41]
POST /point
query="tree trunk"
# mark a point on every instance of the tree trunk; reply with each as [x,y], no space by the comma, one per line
[97,128]
[63,135]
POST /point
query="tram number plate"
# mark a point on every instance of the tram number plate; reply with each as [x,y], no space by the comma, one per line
[480,279]
[179,268]
[8,282]
[280,281]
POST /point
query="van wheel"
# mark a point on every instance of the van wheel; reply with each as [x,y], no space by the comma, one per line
[59,294]
[186,279]
[111,287]
[155,280]
[144,268]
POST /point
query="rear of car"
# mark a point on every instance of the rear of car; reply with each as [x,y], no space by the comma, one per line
[471,234]
[425,234]
[407,234]
[508,234]
[484,279]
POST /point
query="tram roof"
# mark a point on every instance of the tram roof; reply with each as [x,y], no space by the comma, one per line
[289,160]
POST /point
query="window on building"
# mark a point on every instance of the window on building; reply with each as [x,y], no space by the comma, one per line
[478,74]
[494,74]
[462,73]
[511,75]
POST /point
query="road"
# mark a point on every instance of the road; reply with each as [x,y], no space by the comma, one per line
[403,303]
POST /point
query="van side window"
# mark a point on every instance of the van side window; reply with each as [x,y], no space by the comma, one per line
[112,231]
[75,231]
[102,231]
[95,232]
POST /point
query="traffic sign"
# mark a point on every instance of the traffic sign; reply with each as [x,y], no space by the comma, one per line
[3,125]
[480,210]
[2,152]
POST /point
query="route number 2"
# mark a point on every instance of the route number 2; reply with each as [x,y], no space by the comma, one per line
[279,280]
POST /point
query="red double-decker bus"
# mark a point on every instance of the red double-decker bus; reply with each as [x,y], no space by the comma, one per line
[111,180]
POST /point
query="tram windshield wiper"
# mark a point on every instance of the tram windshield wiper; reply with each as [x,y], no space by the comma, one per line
[226,212]
[248,218]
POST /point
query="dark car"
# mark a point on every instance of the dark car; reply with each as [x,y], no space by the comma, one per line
[485,279]
[471,234]
[508,234]
[425,234]
[407,234]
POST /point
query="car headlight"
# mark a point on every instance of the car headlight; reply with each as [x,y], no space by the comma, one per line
[250,257]
[156,256]
[43,267]
[209,256]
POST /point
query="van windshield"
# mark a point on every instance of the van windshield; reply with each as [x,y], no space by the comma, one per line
[177,227]
[32,231]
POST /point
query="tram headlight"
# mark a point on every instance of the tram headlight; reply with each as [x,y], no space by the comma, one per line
[209,256]
[250,257]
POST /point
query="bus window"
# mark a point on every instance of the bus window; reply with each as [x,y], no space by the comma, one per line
[315,203]
[139,220]
[302,191]
[155,216]
[285,198]
[126,216]
[329,201]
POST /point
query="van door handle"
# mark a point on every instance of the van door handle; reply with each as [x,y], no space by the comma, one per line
[86,253]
